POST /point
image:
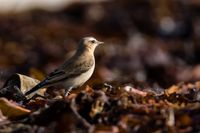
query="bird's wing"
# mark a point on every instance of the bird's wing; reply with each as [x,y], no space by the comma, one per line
[67,71]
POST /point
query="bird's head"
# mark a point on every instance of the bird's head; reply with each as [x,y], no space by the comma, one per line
[89,43]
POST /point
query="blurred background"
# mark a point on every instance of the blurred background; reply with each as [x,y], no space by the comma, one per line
[155,42]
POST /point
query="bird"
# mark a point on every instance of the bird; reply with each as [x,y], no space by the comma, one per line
[75,71]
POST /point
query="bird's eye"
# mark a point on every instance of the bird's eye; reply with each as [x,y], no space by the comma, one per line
[93,41]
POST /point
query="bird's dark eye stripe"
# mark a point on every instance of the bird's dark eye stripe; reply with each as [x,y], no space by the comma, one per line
[93,41]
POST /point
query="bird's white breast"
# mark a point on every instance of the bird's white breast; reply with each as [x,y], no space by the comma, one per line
[79,80]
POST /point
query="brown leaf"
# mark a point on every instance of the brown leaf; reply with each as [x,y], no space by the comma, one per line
[135,91]
[184,120]
[97,108]
[17,85]
[171,90]
[12,110]
[2,117]
[106,129]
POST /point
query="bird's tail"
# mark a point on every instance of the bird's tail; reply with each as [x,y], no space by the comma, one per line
[37,87]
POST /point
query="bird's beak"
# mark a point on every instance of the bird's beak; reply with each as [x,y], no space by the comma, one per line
[100,42]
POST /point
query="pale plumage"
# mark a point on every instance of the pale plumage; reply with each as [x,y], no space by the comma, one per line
[75,71]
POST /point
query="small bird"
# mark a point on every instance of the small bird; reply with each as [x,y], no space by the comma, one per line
[75,71]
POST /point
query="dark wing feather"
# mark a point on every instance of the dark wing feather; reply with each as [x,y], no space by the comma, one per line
[69,72]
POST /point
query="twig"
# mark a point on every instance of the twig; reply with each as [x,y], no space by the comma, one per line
[74,109]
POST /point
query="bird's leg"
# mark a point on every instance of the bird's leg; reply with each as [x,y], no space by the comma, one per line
[67,91]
